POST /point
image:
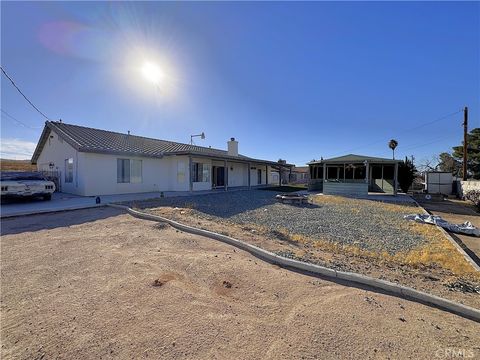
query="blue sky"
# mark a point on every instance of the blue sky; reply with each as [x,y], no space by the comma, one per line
[288,80]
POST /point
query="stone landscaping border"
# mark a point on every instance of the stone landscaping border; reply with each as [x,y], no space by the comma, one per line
[396,289]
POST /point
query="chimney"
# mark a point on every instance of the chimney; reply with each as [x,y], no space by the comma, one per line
[232,147]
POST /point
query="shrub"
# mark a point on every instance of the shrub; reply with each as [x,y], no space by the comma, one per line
[406,174]
[473,196]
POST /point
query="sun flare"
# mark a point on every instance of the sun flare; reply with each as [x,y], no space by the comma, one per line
[151,72]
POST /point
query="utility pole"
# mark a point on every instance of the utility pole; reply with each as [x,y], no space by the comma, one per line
[465,141]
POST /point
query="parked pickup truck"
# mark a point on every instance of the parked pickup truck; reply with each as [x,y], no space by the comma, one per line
[25,184]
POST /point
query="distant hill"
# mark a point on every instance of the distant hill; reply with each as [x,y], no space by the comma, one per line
[16,165]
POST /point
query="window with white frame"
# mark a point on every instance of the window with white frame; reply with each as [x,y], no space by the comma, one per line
[129,171]
[69,170]
[200,172]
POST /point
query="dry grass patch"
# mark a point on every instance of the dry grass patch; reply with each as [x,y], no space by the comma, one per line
[439,250]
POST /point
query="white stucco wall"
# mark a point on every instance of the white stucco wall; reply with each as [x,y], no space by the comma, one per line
[237,174]
[254,174]
[55,152]
[100,175]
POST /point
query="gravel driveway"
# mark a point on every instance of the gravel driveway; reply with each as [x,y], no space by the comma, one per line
[367,224]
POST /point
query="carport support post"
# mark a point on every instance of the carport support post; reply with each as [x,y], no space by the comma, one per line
[249,171]
[225,174]
[279,176]
[190,174]
[366,171]
[324,172]
[266,174]
[395,182]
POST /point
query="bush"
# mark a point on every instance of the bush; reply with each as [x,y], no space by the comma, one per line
[473,196]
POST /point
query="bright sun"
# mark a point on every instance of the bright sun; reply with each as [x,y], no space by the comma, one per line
[152,72]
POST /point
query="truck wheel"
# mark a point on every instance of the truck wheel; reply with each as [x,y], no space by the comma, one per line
[47,197]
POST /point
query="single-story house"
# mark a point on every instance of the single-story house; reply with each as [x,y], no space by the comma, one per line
[300,175]
[98,162]
[354,174]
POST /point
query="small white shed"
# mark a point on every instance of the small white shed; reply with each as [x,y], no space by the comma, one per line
[438,182]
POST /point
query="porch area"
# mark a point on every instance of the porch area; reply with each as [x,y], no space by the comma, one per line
[212,173]
[354,175]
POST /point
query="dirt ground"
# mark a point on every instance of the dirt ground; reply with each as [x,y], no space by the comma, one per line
[457,211]
[101,284]
[432,278]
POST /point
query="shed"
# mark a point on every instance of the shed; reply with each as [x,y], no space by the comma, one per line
[438,182]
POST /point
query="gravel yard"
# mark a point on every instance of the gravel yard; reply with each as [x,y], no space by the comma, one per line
[370,225]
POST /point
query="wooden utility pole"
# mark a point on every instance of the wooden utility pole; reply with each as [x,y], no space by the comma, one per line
[465,142]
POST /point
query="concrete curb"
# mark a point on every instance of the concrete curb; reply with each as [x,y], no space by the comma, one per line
[47,211]
[396,289]
[452,241]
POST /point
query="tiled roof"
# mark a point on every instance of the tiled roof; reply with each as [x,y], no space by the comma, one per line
[85,139]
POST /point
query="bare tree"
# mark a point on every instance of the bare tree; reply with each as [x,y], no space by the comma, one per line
[429,164]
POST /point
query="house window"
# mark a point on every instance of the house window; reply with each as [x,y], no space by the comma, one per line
[129,171]
[200,172]
[123,170]
[136,171]
[69,170]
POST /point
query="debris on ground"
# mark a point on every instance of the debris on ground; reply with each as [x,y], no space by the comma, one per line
[465,228]
[157,282]
[463,286]
[227,284]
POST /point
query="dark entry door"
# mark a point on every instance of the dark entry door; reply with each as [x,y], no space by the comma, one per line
[218,176]
[259,176]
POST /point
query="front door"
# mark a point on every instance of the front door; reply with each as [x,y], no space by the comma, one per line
[218,176]
[259,176]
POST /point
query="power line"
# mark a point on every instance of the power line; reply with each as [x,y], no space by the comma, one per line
[402,132]
[20,122]
[418,145]
[20,91]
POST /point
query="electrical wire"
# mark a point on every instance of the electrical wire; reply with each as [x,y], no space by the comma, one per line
[20,91]
[20,122]
[401,132]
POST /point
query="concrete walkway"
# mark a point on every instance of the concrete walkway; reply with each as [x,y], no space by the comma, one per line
[62,201]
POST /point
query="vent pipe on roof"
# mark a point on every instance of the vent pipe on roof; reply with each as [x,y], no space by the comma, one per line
[232,147]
